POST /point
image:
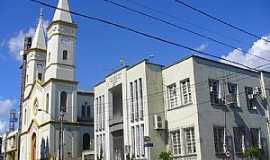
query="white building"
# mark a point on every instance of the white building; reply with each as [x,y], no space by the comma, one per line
[186,108]
[51,86]
[8,145]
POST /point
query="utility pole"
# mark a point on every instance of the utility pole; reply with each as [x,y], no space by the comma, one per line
[227,105]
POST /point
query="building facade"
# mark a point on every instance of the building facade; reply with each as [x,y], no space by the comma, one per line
[50,89]
[8,145]
[197,109]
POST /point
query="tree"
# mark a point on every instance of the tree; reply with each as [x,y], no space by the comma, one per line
[253,153]
[165,155]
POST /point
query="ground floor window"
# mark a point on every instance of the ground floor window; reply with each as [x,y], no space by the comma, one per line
[219,139]
[175,142]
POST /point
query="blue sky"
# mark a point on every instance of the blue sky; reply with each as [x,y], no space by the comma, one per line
[100,46]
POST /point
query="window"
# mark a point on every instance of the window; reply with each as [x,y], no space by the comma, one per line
[103,113]
[186,91]
[232,88]
[142,140]
[47,102]
[136,100]
[63,102]
[138,141]
[141,98]
[49,56]
[250,98]
[132,140]
[83,110]
[239,139]
[40,76]
[25,112]
[100,113]
[86,141]
[214,92]
[175,142]
[65,55]
[190,144]
[172,96]
[97,117]
[132,102]
[39,71]
[255,136]
[88,111]
[219,139]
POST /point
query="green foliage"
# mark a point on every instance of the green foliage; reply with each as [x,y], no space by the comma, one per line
[253,152]
[165,155]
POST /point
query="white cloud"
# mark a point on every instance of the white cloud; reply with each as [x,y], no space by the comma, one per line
[3,126]
[5,106]
[260,48]
[202,47]
[15,44]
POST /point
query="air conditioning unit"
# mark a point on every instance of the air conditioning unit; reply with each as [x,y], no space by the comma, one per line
[159,123]
[230,99]
[257,91]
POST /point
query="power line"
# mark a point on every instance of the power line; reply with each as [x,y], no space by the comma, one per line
[184,21]
[184,29]
[142,34]
[220,20]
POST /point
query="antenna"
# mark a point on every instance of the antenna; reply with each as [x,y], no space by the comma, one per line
[122,62]
[151,56]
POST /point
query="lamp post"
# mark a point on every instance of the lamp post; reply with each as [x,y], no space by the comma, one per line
[61,144]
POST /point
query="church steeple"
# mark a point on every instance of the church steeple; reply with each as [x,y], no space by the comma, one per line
[62,15]
[39,41]
[60,62]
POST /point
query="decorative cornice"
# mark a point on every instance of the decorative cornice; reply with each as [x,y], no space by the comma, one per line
[35,49]
[61,64]
[59,80]
[88,124]
[62,23]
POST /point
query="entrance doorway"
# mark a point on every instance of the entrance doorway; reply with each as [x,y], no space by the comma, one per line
[34,146]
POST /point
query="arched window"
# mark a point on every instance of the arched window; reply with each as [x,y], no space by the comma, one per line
[88,110]
[25,112]
[63,101]
[86,141]
[49,57]
[47,102]
[83,110]
[65,55]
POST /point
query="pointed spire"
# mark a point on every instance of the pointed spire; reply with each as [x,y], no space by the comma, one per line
[39,40]
[62,15]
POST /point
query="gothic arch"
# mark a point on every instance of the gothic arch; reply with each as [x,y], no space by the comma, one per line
[34,146]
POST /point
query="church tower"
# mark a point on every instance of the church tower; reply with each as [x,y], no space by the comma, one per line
[36,57]
[61,45]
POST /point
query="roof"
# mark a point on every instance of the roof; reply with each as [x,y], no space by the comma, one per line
[85,92]
[62,15]
[39,41]
[128,68]
[179,61]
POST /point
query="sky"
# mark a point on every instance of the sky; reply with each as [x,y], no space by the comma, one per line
[100,46]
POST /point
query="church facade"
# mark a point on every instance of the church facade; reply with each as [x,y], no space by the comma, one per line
[50,89]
